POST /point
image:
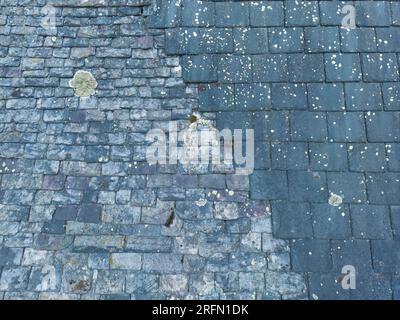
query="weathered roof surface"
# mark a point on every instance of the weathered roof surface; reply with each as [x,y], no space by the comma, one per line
[84,215]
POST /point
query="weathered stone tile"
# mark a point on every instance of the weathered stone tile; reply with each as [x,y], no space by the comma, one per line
[301,13]
[261,179]
[162,262]
[142,283]
[350,186]
[226,211]
[66,213]
[90,213]
[218,244]
[291,220]
[250,262]
[37,257]
[110,282]
[98,243]
[311,255]
[385,255]
[10,256]
[331,222]
[370,221]
[52,242]
[287,284]
[194,211]
[45,278]
[14,279]
[121,214]
[76,168]
[84,216]
[148,244]
[126,261]
[99,260]
[373,13]
[174,283]
[232,14]
[266,14]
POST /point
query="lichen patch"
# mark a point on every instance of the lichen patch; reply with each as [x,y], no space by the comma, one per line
[83,83]
[335,200]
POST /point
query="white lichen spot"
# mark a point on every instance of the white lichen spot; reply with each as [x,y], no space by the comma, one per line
[201,202]
[83,83]
[335,200]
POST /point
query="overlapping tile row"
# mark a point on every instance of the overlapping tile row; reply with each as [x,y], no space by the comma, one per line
[324,103]
[83,215]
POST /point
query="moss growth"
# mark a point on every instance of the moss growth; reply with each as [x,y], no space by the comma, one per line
[110,261]
[193,119]
[83,83]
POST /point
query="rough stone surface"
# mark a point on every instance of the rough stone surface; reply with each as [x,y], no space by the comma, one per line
[84,216]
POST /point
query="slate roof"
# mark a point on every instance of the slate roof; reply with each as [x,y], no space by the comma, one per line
[79,202]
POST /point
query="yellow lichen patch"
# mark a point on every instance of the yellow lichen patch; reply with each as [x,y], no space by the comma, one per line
[83,83]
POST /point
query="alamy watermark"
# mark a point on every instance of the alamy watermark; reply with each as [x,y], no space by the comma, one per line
[48,22]
[348,281]
[202,146]
[349,20]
